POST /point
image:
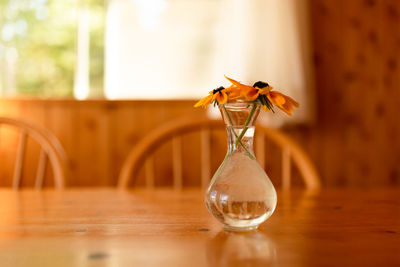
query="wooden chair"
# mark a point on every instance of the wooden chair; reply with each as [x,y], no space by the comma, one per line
[173,131]
[51,150]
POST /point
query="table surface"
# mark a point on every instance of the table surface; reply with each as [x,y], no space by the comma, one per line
[107,227]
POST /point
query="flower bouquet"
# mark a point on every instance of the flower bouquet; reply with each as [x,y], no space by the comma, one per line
[240,194]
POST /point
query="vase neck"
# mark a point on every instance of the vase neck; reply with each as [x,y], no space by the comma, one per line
[246,141]
[240,114]
[240,118]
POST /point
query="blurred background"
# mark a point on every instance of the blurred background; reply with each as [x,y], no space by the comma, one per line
[91,71]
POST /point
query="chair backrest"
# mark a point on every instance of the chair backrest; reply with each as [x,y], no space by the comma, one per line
[173,131]
[51,150]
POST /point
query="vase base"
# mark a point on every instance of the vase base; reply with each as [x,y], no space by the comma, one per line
[240,229]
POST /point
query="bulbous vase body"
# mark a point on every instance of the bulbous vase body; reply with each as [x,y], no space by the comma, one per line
[240,194]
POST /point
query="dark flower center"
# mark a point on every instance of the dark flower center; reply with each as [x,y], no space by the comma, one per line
[218,90]
[260,84]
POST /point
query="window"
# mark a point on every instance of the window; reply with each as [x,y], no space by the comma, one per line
[39,43]
[152,49]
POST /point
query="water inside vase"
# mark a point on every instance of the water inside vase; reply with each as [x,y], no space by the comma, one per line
[241,195]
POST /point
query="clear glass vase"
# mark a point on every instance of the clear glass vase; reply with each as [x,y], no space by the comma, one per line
[240,194]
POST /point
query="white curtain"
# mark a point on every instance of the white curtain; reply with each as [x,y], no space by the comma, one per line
[187,47]
[160,49]
[269,40]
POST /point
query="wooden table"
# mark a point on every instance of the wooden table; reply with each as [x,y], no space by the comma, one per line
[106,227]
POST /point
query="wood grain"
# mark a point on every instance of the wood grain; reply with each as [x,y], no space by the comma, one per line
[356,57]
[173,228]
[97,135]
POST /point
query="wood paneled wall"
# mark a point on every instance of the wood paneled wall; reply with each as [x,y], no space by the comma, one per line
[355,141]
[357,62]
[97,135]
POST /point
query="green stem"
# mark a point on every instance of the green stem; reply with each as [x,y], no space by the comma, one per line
[236,136]
[246,124]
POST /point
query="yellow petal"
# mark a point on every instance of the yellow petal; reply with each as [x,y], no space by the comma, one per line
[251,94]
[294,103]
[233,92]
[276,98]
[199,103]
[265,90]
[264,107]
[233,81]
[242,87]
[204,102]
[284,102]
[221,97]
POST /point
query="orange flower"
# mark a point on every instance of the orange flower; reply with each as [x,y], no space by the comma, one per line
[251,92]
[262,87]
[233,92]
[204,102]
[282,101]
[260,92]
[221,96]
[218,94]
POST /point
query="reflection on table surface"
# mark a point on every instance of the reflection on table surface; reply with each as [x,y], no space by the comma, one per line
[238,249]
[107,227]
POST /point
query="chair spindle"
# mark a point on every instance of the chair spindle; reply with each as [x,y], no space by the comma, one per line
[19,162]
[42,165]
